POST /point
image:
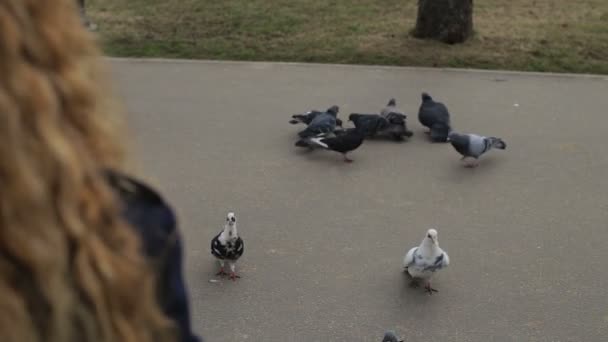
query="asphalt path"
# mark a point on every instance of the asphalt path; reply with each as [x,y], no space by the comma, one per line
[526,231]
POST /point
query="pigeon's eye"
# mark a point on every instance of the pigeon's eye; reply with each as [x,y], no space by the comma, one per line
[429,236]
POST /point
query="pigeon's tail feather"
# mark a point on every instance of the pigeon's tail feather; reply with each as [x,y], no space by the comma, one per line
[307,133]
[302,143]
[298,118]
[354,117]
[498,143]
[390,336]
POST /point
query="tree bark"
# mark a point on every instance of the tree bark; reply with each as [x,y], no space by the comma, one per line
[449,21]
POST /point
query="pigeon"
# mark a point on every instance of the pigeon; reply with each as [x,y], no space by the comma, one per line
[392,114]
[423,261]
[371,124]
[436,117]
[391,107]
[307,118]
[376,125]
[344,143]
[473,146]
[227,246]
[321,123]
[390,336]
[390,122]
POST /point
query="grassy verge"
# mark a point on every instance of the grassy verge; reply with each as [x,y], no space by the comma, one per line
[532,35]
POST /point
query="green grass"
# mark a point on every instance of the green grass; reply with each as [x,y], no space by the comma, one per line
[531,35]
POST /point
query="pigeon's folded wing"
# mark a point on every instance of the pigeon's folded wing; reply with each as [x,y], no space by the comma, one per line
[446,260]
[409,257]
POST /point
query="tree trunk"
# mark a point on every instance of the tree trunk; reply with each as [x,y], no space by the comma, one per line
[449,21]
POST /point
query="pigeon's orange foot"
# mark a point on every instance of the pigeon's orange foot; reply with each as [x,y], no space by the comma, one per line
[429,289]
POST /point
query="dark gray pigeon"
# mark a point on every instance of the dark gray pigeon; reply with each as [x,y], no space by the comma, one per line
[391,108]
[376,125]
[436,117]
[390,336]
[372,124]
[395,117]
[321,123]
[473,146]
[390,122]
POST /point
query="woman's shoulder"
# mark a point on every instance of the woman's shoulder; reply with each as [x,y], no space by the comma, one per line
[145,209]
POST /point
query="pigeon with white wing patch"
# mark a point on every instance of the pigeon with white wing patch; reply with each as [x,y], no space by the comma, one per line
[423,261]
[472,146]
[228,247]
[344,143]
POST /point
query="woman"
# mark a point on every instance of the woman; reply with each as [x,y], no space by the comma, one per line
[86,252]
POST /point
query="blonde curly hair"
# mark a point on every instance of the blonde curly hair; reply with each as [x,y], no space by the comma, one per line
[70,267]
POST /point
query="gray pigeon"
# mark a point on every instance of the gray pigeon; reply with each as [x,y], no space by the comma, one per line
[423,261]
[436,117]
[390,336]
[321,123]
[472,146]
[307,118]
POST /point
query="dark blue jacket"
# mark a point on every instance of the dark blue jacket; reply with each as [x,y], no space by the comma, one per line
[156,224]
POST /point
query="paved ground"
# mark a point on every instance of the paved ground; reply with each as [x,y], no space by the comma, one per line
[526,231]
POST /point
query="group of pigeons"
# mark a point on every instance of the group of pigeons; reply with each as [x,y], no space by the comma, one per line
[324,130]
[420,262]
